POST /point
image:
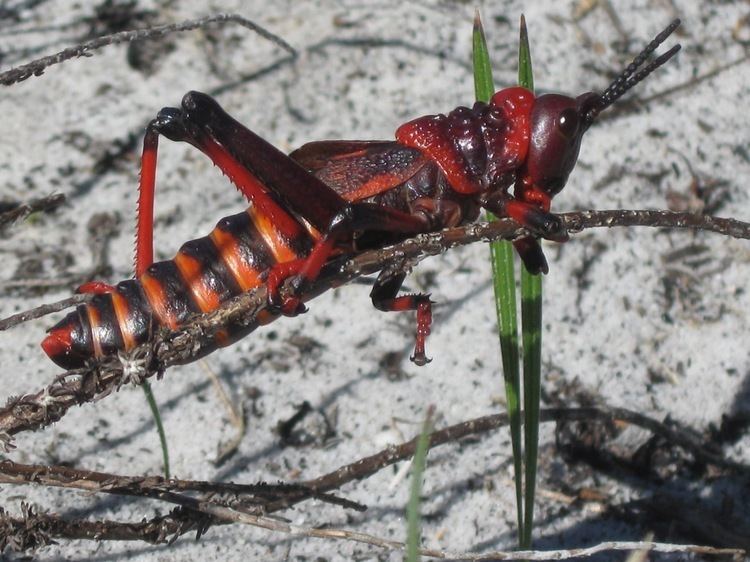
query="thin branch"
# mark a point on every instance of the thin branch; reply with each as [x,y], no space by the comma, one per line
[42,310]
[368,466]
[197,336]
[276,497]
[224,513]
[272,498]
[257,495]
[38,66]
[576,222]
[33,529]
[23,210]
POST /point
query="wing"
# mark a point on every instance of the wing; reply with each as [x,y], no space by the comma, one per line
[357,170]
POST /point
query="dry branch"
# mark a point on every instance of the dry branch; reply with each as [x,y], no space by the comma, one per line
[224,513]
[34,529]
[37,67]
[259,494]
[197,336]
[43,310]
[23,210]
[229,506]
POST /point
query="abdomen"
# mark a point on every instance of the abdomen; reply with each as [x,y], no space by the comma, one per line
[205,273]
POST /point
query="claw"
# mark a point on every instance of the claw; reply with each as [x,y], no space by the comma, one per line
[288,306]
[553,229]
[420,359]
[292,306]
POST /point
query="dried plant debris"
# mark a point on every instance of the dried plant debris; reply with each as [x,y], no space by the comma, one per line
[14,211]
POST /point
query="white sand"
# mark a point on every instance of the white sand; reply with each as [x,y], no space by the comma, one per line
[613,329]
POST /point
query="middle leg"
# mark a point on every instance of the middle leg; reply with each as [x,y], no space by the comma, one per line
[384,297]
[355,217]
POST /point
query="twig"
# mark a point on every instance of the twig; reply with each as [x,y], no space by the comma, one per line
[576,222]
[155,486]
[267,499]
[37,67]
[34,529]
[25,209]
[16,473]
[368,466]
[196,337]
[42,310]
[224,513]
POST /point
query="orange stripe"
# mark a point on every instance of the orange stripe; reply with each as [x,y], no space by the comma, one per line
[122,313]
[157,298]
[246,276]
[94,319]
[273,237]
[191,271]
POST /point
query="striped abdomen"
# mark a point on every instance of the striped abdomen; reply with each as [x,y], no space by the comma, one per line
[204,273]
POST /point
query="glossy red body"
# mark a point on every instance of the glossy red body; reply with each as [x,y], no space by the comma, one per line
[339,197]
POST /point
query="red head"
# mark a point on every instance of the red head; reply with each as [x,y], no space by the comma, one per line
[558,123]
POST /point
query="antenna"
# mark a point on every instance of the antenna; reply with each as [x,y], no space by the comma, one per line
[629,77]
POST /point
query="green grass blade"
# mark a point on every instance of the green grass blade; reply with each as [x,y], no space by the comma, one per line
[525,72]
[531,314]
[503,276]
[484,86]
[159,426]
[413,530]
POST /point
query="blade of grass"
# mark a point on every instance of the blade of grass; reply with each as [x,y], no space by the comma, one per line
[484,86]
[413,531]
[525,71]
[159,426]
[531,315]
[503,275]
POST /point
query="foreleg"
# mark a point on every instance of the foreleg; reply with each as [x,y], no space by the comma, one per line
[538,221]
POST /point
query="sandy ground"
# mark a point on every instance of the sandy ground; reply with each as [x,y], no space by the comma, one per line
[646,319]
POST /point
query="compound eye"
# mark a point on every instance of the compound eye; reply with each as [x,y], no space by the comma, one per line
[567,123]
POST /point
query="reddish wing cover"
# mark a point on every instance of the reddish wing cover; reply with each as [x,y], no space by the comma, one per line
[357,170]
